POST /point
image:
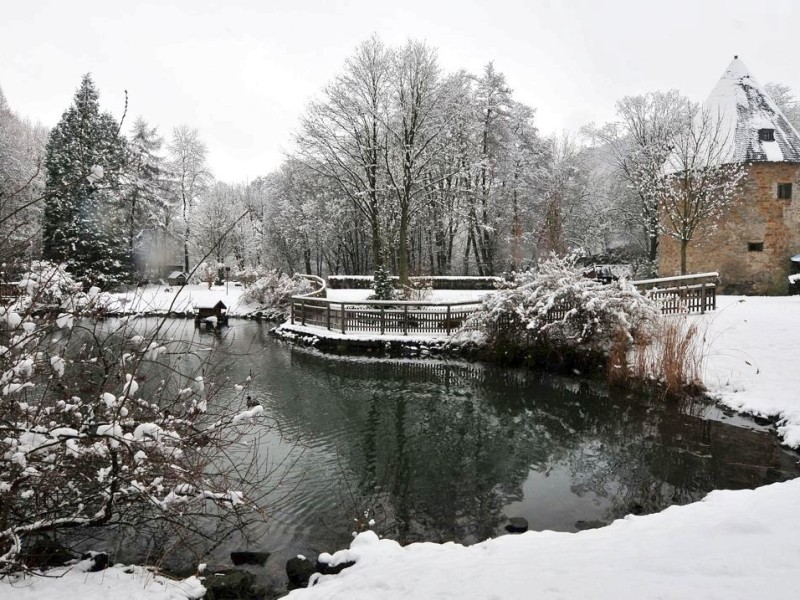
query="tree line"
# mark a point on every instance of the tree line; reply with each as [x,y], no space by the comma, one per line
[395,164]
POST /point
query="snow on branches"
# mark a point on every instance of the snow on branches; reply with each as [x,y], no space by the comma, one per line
[274,289]
[557,305]
[90,435]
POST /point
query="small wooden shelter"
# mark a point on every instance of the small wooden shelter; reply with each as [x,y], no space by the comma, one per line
[213,313]
[178,278]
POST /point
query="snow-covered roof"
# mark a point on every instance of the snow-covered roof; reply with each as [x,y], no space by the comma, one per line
[745,108]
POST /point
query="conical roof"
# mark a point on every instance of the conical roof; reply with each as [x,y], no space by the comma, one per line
[745,109]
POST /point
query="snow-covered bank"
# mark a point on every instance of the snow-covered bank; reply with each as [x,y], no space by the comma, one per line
[161,299]
[743,544]
[752,355]
[130,583]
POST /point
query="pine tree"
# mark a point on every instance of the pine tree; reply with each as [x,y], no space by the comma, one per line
[148,210]
[381,285]
[84,219]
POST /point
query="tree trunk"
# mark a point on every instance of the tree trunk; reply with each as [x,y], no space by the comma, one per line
[684,248]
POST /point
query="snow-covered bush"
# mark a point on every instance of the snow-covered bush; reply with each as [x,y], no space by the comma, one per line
[555,306]
[275,289]
[382,285]
[209,272]
[103,423]
[249,275]
[47,284]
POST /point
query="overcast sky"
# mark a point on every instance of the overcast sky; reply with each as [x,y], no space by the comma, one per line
[241,71]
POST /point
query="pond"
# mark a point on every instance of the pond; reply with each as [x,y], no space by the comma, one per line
[445,450]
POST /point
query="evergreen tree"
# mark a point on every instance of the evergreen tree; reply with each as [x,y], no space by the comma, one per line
[147,181]
[382,285]
[84,219]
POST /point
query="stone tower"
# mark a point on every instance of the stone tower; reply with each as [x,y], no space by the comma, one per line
[754,242]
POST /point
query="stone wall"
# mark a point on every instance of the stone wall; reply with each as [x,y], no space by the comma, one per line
[756,217]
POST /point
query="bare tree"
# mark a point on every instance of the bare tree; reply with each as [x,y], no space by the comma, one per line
[192,176]
[638,144]
[343,136]
[784,97]
[700,180]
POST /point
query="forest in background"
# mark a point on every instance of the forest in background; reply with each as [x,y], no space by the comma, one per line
[394,163]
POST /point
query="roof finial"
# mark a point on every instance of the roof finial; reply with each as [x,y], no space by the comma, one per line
[735,56]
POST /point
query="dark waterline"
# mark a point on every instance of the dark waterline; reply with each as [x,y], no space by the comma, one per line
[441,451]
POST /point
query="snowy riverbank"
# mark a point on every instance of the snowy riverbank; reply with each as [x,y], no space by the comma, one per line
[741,544]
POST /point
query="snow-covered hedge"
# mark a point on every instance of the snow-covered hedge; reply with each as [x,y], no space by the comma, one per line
[274,290]
[557,306]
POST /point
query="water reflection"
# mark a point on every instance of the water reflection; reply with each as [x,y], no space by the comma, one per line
[448,451]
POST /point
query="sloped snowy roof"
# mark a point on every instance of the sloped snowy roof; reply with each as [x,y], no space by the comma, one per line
[745,108]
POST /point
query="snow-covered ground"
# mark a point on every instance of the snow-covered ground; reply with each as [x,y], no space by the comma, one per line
[742,544]
[128,583]
[432,296]
[752,358]
[161,299]
[165,298]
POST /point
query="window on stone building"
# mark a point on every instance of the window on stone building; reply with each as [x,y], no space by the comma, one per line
[784,191]
[766,135]
[755,247]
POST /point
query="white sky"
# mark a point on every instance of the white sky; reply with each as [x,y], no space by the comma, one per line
[241,71]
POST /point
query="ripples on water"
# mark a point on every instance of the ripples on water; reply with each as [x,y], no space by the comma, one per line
[438,451]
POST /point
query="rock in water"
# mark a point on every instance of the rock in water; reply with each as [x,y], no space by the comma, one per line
[299,571]
[245,557]
[517,525]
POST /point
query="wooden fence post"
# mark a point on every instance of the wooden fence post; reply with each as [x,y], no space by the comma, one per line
[703,298]
[328,315]
[405,319]
[383,320]
[344,318]
[292,317]
[302,312]
[447,321]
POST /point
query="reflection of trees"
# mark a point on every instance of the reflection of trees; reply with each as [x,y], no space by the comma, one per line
[651,455]
[436,451]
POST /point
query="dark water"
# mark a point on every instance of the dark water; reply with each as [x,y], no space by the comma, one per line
[439,451]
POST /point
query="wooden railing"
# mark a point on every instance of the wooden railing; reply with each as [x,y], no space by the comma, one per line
[322,287]
[381,317]
[695,293]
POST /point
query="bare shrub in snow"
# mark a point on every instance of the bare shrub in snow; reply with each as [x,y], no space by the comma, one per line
[275,289]
[672,356]
[209,271]
[557,306]
[109,423]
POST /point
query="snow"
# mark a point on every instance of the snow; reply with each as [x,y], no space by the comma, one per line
[433,296]
[131,583]
[743,107]
[743,544]
[752,358]
[161,299]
